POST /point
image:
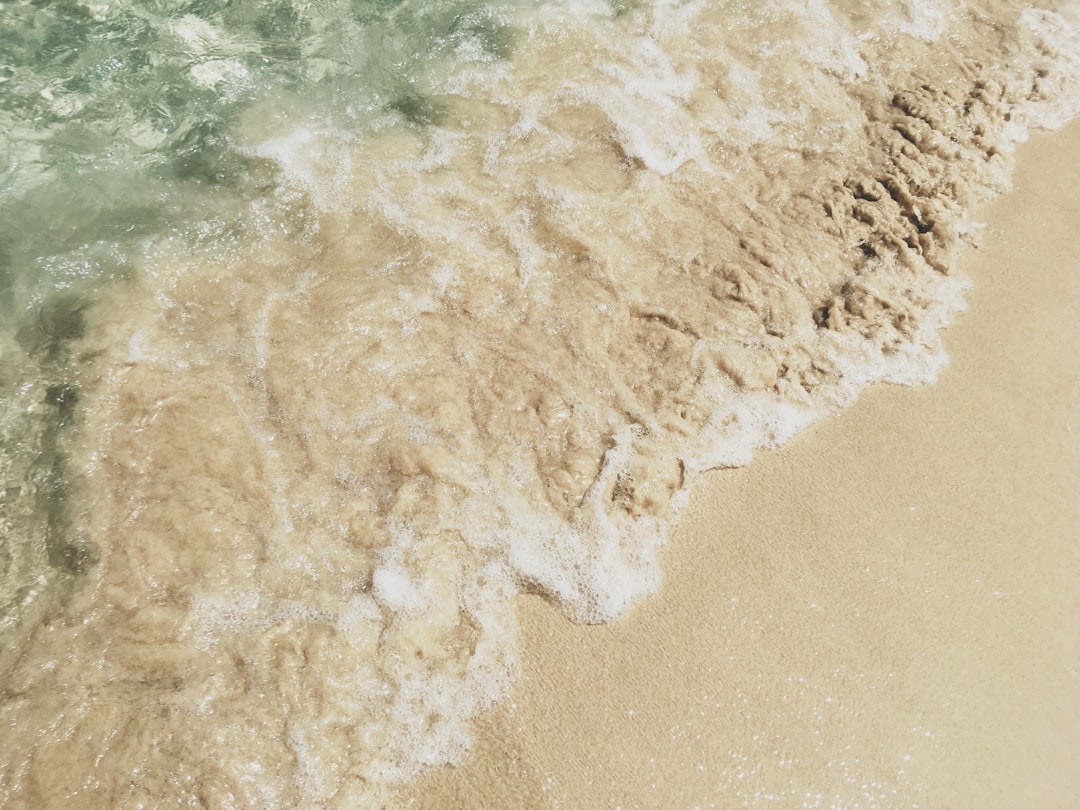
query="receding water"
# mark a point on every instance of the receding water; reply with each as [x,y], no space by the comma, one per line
[326,328]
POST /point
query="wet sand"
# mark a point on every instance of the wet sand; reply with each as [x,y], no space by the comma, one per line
[883,613]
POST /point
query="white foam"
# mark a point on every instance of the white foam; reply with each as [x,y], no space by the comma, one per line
[458,405]
[393,587]
[313,159]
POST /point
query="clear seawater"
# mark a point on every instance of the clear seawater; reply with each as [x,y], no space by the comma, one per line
[328,327]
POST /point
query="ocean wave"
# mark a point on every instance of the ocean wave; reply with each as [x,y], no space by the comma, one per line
[449,302]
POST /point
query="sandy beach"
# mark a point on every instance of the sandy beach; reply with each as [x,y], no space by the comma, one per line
[380,384]
[883,613]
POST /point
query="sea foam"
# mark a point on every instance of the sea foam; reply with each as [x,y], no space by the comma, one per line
[467,326]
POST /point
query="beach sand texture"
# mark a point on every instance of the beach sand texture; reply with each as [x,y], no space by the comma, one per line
[339,340]
[883,613]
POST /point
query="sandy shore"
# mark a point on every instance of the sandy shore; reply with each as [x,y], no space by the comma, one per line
[884,613]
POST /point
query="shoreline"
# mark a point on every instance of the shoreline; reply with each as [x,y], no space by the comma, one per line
[875,615]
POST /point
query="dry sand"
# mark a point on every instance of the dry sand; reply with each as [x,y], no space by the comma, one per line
[885,613]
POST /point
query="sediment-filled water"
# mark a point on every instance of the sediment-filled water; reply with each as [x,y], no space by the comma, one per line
[326,328]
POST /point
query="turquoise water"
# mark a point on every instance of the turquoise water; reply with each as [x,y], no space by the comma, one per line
[116,131]
[116,118]
[328,328]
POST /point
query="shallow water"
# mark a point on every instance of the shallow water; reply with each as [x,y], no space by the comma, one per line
[329,328]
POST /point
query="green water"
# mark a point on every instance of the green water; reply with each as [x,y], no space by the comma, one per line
[117,135]
[115,118]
